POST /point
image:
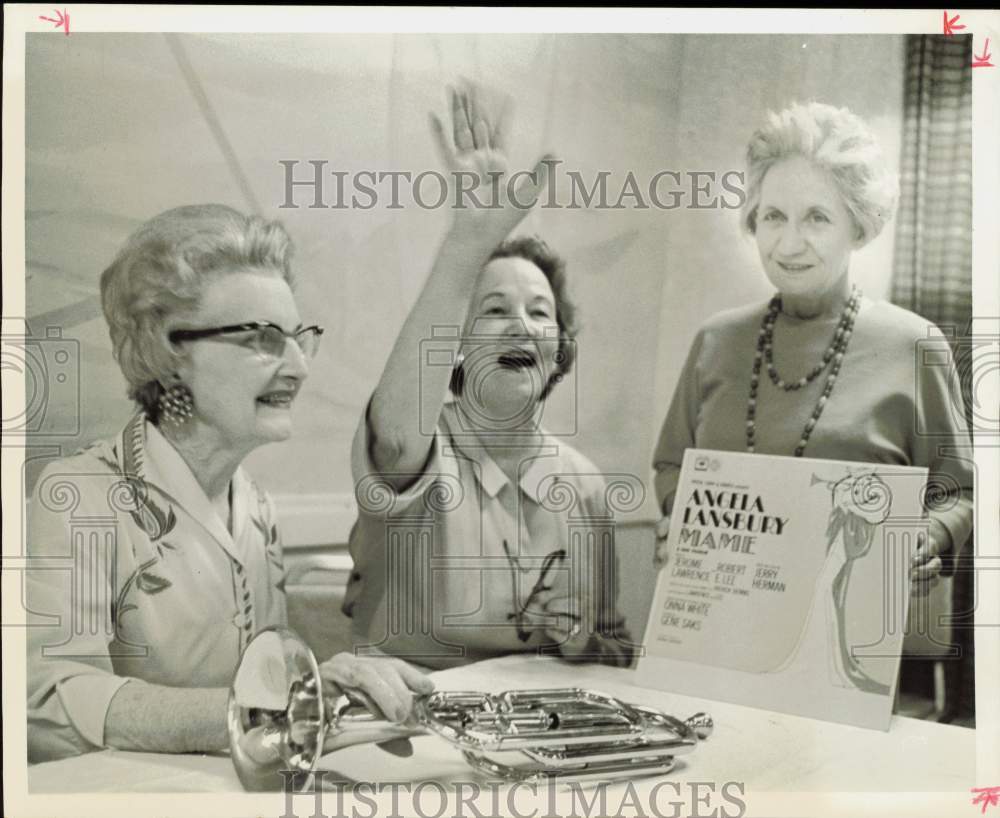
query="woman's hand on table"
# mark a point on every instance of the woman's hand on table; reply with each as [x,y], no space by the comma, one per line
[476,151]
[387,682]
[927,562]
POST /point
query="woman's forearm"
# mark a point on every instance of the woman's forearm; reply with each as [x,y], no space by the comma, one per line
[665,482]
[406,383]
[158,719]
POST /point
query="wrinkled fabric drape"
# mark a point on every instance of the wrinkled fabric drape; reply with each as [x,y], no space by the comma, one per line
[209,117]
[123,125]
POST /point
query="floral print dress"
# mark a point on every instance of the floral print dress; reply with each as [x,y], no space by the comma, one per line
[133,575]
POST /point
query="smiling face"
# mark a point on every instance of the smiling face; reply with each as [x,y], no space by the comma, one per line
[805,234]
[243,397]
[511,340]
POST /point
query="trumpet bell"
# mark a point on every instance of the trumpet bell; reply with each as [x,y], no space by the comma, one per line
[276,714]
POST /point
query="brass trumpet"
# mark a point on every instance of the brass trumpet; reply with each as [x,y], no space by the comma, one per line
[280,720]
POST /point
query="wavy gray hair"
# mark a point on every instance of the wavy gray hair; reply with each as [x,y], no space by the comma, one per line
[837,141]
[159,274]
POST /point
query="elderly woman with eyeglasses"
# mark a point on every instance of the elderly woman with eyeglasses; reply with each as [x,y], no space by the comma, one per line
[176,554]
[479,533]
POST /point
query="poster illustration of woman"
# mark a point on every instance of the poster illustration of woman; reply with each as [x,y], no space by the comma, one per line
[860,504]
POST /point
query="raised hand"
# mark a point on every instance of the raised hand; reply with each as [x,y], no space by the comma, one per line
[474,152]
[484,193]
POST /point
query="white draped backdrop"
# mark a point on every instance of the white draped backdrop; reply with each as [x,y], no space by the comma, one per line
[123,126]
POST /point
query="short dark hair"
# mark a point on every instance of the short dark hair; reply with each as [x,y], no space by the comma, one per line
[553,267]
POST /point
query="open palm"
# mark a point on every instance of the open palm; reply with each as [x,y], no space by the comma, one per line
[483,193]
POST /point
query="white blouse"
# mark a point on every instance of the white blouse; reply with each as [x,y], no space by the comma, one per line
[446,571]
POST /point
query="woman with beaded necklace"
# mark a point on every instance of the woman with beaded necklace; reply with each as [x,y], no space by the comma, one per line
[821,371]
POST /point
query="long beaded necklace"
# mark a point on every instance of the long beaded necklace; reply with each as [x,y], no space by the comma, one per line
[833,357]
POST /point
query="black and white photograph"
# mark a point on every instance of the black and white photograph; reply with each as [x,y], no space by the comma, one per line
[453,412]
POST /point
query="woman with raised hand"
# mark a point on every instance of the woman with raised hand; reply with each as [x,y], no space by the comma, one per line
[177,559]
[465,546]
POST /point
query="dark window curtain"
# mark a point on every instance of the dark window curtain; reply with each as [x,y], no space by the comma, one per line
[932,269]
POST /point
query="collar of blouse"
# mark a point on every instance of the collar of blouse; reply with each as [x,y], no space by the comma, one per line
[541,468]
[146,455]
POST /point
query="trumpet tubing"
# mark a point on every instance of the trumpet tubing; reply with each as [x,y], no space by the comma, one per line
[280,721]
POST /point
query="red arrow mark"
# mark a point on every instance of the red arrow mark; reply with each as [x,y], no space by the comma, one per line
[951,26]
[61,21]
[988,797]
[984,60]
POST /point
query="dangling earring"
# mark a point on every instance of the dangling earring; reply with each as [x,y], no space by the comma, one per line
[176,404]
[457,376]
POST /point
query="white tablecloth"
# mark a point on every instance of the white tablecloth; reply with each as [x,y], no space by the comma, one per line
[766,751]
